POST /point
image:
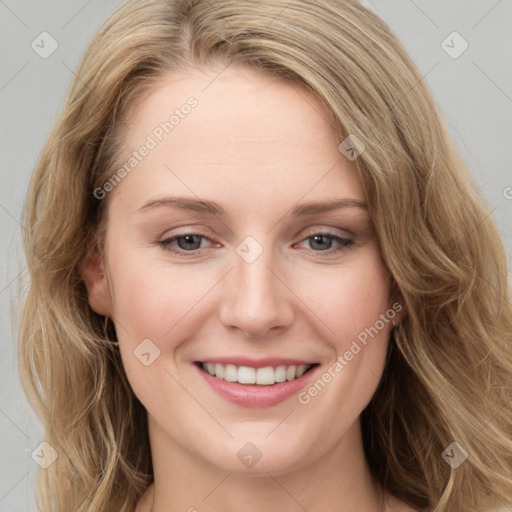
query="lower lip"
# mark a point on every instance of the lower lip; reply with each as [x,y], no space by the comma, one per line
[256,396]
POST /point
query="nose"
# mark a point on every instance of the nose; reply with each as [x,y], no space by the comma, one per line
[255,299]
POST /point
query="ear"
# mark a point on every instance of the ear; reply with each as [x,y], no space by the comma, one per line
[399,311]
[95,278]
[397,304]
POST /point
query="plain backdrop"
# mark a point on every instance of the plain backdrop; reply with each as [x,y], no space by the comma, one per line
[472,88]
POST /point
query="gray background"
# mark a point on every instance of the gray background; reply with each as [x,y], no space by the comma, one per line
[473,91]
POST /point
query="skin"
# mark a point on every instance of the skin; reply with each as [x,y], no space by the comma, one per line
[258,147]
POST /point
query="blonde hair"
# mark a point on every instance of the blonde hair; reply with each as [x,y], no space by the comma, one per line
[449,367]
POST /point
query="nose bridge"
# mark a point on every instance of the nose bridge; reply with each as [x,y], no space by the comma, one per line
[255,300]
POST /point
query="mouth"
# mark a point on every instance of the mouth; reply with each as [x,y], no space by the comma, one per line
[248,375]
[255,383]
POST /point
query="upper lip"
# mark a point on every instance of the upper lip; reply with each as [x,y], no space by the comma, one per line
[256,363]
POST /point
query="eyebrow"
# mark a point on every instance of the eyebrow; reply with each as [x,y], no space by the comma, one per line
[213,208]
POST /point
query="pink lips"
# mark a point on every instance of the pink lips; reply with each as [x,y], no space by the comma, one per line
[256,363]
[251,395]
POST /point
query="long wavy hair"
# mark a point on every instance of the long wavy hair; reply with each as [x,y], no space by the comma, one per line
[448,373]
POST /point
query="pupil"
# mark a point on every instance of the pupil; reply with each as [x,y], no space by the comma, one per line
[185,241]
[319,239]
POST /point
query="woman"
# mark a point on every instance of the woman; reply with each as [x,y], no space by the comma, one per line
[261,277]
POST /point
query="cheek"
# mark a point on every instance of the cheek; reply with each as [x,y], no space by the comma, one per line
[353,298]
[161,303]
[358,312]
[153,307]
[150,297]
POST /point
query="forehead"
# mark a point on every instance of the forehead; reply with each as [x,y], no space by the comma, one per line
[237,132]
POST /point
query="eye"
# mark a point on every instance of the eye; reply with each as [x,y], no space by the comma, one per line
[191,244]
[186,244]
[324,242]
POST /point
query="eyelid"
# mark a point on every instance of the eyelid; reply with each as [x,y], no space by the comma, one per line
[316,230]
[331,231]
[342,242]
[189,229]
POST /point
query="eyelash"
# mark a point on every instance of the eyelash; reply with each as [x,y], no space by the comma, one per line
[343,243]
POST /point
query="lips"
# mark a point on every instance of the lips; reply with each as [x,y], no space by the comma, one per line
[255,383]
[257,363]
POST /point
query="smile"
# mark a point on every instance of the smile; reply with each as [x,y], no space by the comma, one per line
[266,376]
[256,384]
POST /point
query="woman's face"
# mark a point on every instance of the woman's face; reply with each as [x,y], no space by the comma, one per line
[221,248]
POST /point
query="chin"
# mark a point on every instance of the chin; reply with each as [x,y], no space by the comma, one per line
[258,458]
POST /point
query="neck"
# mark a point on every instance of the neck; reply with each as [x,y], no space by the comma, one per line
[339,479]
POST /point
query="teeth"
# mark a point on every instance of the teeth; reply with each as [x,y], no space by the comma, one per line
[219,370]
[230,373]
[300,370]
[262,376]
[246,375]
[291,372]
[280,374]
[266,376]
